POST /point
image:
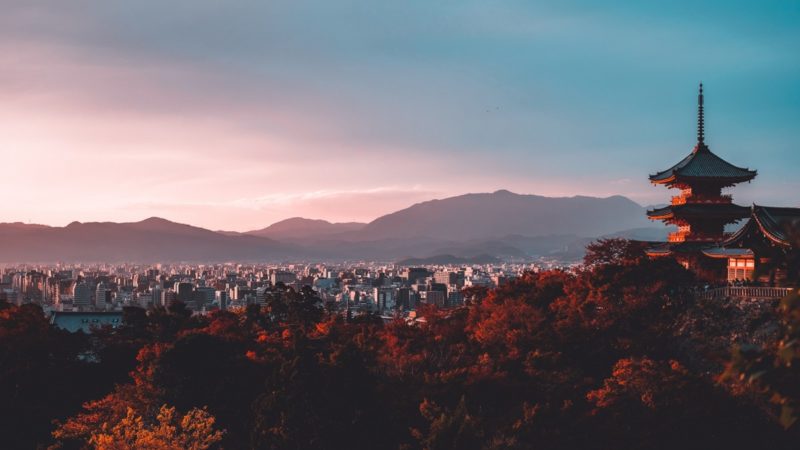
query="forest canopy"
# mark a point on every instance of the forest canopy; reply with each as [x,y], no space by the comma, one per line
[618,354]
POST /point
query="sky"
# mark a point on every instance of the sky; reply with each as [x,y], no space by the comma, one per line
[234,115]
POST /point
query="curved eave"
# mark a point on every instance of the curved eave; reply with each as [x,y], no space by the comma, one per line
[662,179]
[724,253]
[659,215]
[729,212]
[763,220]
[676,178]
[738,235]
[658,252]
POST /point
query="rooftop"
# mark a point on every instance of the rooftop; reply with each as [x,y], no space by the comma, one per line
[689,210]
[774,223]
[85,321]
[702,163]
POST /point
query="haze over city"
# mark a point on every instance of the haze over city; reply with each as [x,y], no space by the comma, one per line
[237,116]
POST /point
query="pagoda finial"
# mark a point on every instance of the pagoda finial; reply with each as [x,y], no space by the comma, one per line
[700,118]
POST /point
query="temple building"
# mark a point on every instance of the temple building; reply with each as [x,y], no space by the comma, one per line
[701,211]
[764,249]
[768,240]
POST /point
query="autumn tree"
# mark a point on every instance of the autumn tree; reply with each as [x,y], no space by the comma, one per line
[774,370]
[168,430]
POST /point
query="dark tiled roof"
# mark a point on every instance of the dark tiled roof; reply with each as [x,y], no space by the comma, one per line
[773,222]
[722,252]
[85,321]
[728,210]
[678,247]
[702,163]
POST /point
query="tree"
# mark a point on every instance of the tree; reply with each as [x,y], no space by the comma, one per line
[774,370]
[166,431]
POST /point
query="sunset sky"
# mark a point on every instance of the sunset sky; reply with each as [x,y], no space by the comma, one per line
[233,115]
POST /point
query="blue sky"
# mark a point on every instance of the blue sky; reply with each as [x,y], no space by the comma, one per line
[237,114]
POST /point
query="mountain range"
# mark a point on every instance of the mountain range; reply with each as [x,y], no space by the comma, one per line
[488,225]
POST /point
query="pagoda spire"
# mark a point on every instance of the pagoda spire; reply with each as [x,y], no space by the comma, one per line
[700,118]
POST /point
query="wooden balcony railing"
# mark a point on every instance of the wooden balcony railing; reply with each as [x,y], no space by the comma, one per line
[684,236]
[677,236]
[747,292]
[701,199]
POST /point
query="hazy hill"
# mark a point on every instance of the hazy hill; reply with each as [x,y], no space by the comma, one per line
[499,224]
[475,216]
[150,240]
[301,228]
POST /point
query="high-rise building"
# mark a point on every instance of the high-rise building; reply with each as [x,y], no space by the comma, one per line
[222,298]
[204,296]
[155,296]
[100,296]
[184,290]
[83,295]
[385,299]
[281,276]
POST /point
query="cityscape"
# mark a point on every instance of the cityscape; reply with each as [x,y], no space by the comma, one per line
[386,290]
[325,225]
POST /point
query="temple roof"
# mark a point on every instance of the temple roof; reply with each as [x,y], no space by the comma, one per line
[669,248]
[85,321]
[722,252]
[688,210]
[772,222]
[702,163]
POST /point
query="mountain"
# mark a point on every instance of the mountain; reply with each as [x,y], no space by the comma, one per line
[151,240]
[476,216]
[500,225]
[301,228]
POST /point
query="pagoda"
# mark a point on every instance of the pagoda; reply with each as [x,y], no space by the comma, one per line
[701,211]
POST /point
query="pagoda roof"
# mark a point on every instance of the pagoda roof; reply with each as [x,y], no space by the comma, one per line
[702,163]
[772,222]
[670,248]
[690,210]
[722,252]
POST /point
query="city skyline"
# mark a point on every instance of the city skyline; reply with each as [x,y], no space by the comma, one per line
[236,117]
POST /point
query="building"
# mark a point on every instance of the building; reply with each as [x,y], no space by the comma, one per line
[767,239]
[385,299]
[204,296]
[85,321]
[155,296]
[261,295]
[222,299]
[100,295]
[184,291]
[83,295]
[284,277]
[764,249]
[435,297]
[701,211]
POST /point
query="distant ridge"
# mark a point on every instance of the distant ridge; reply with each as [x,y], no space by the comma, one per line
[299,227]
[501,213]
[490,226]
[150,240]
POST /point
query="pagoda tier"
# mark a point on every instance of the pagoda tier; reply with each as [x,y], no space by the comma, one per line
[702,167]
[701,211]
[677,215]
